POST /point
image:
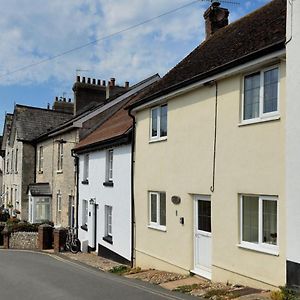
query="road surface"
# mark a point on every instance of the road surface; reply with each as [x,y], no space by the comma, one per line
[38,276]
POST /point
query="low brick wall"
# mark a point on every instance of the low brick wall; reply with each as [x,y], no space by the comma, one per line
[23,240]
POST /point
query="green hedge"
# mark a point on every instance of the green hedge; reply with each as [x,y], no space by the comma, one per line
[15,225]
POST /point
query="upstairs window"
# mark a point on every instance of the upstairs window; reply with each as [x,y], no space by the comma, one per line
[261,94]
[41,159]
[159,122]
[60,156]
[16,160]
[86,169]
[12,162]
[109,165]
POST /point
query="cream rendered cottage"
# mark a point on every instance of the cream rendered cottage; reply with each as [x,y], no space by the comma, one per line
[209,172]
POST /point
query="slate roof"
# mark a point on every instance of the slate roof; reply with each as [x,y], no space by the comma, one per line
[260,32]
[31,122]
[39,189]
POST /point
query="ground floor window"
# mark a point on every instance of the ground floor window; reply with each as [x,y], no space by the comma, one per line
[39,210]
[157,210]
[108,234]
[259,225]
[58,209]
[84,216]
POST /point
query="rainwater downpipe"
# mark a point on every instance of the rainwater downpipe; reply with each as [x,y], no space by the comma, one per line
[212,188]
[132,189]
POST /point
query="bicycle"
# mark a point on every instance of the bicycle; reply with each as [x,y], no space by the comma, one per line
[72,242]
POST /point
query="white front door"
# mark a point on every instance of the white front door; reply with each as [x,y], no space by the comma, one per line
[202,236]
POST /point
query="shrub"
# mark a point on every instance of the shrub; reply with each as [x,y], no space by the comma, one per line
[284,294]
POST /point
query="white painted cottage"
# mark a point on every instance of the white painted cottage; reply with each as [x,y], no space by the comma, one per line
[104,185]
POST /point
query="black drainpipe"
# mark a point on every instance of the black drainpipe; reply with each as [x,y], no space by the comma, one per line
[76,159]
[212,188]
[132,188]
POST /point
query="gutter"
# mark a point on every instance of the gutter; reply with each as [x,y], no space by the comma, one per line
[132,189]
[116,141]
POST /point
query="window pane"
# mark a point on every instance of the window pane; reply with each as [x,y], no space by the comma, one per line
[251,96]
[204,215]
[153,204]
[270,90]
[250,219]
[154,114]
[270,222]
[162,209]
[163,120]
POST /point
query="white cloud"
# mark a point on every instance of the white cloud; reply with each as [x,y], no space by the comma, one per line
[35,30]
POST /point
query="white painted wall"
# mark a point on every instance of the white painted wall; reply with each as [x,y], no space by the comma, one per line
[293,132]
[118,196]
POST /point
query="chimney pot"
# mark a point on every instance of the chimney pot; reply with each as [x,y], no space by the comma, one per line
[89,80]
[48,106]
[70,100]
[126,84]
[94,81]
[56,98]
[83,79]
[113,81]
[64,99]
[103,82]
[78,79]
[98,82]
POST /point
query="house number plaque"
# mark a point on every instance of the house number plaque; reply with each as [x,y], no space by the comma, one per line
[176,200]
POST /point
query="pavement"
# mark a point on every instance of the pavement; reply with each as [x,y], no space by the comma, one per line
[33,276]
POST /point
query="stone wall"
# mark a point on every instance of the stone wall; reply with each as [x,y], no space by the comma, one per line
[23,240]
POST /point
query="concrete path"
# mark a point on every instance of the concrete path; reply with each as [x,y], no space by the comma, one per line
[35,276]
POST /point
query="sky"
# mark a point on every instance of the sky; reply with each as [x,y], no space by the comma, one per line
[33,31]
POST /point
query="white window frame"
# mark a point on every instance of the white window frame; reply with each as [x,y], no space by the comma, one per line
[16,160]
[156,225]
[108,221]
[58,208]
[260,247]
[60,157]
[262,116]
[109,165]
[158,137]
[85,212]
[86,161]
[41,158]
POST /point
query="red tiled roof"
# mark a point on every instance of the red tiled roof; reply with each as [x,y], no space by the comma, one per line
[116,126]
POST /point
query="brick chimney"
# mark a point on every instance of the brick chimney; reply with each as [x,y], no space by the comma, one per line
[216,17]
[61,104]
[89,92]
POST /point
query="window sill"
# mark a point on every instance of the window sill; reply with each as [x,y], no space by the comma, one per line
[260,249]
[59,172]
[40,172]
[16,172]
[108,239]
[156,140]
[108,183]
[85,181]
[158,227]
[259,120]
[84,227]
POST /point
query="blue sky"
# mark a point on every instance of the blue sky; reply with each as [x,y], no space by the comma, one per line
[32,31]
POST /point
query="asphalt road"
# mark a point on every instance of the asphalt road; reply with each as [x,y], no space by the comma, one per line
[37,276]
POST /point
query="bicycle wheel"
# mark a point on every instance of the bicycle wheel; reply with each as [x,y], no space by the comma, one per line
[75,246]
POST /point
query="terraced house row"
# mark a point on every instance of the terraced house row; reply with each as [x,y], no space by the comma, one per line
[195,172]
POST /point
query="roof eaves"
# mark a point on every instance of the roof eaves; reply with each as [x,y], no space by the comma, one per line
[124,138]
[239,61]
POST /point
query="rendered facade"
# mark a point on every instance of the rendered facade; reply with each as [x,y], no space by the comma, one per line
[209,176]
